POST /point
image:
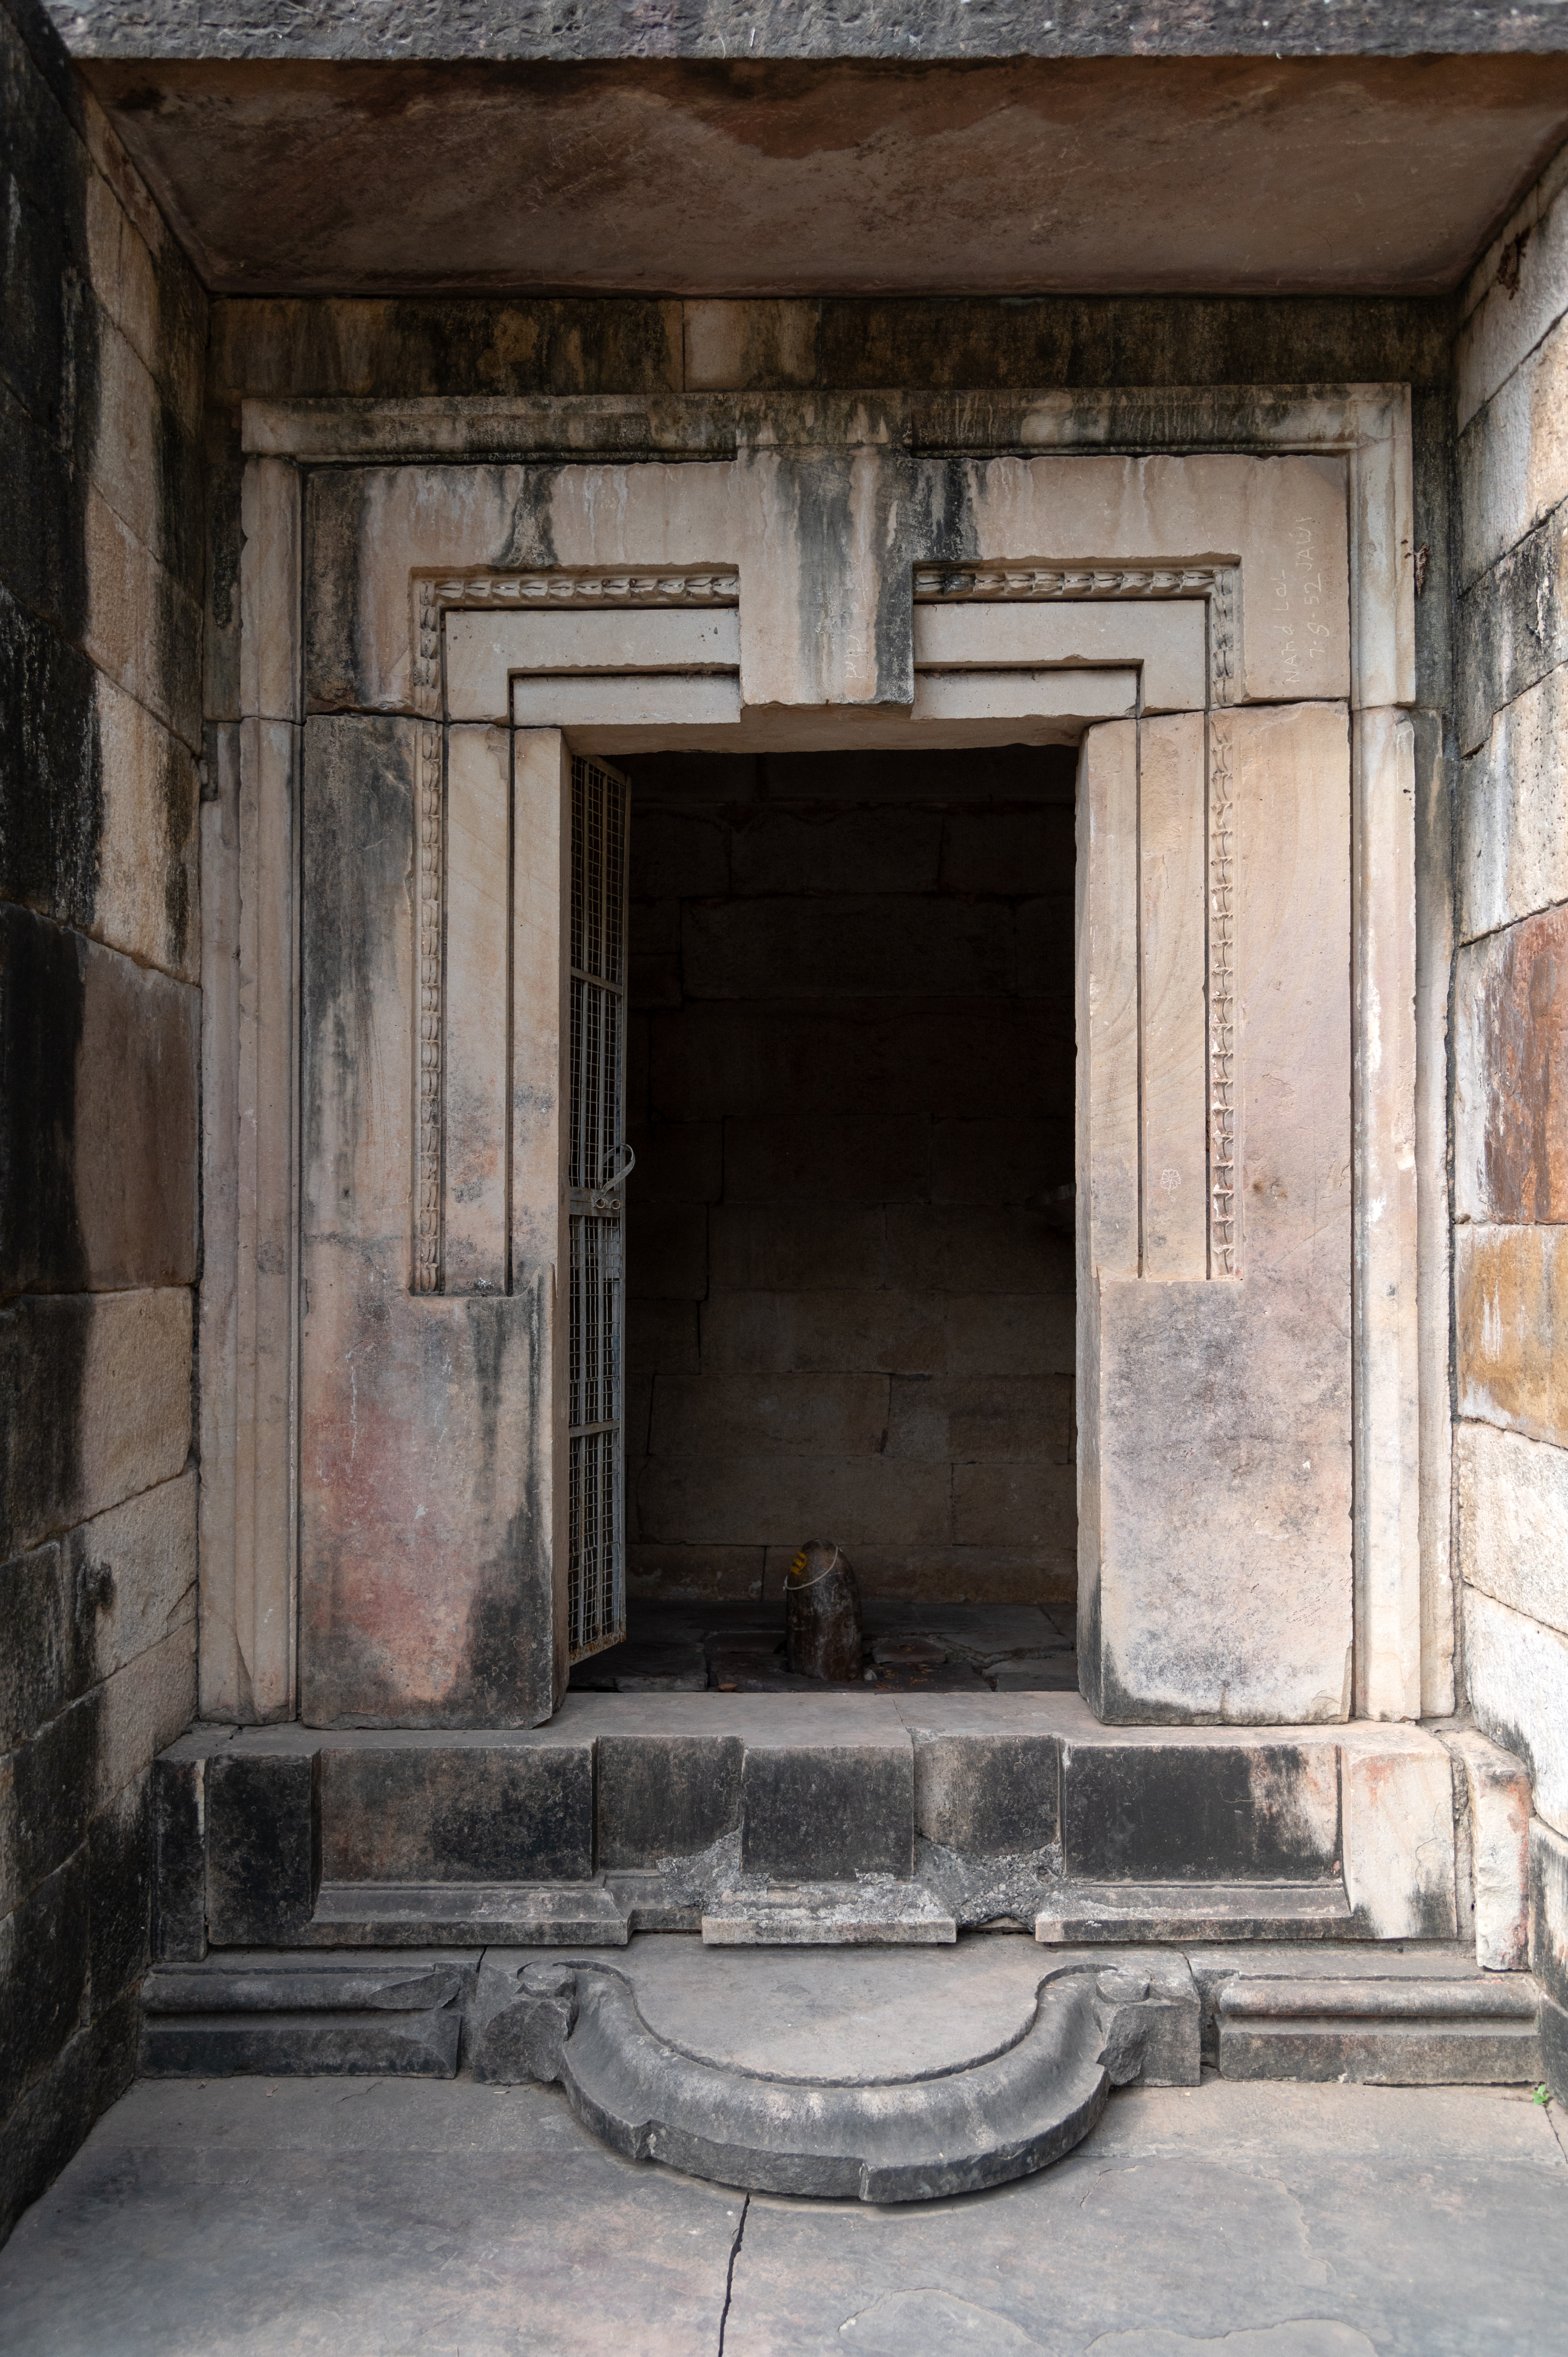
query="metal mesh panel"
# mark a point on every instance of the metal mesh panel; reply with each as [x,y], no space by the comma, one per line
[597,1536]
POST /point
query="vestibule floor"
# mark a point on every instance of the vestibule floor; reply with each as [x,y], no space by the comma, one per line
[687,1648]
[380,2217]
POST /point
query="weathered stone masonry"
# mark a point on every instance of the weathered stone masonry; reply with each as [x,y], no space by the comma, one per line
[1510,1031]
[107,676]
[101,574]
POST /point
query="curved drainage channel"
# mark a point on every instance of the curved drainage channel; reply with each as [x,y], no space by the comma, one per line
[913,2139]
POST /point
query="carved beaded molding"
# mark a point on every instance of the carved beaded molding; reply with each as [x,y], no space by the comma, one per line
[1218,584]
[433,595]
[998,585]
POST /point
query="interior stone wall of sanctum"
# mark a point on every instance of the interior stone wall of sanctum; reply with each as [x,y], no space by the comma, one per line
[101,566]
[1510,1019]
[850,1244]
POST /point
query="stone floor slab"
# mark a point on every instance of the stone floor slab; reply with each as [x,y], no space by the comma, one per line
[378,2218]
[1419,2220]
[312,2219]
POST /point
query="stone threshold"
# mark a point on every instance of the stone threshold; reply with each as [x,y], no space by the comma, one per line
[818,1820]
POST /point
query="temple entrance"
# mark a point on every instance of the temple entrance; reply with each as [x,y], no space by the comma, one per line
[853,1252]
[849,1248]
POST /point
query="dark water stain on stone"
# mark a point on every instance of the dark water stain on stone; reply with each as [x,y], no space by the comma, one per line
[334,508]
[43,1348]
[42,972]
[935,525]
[357,851]
[817,489]
[531,537]
[178,796]
[508,1667]
[51,771]
[1521,1019]
[619,344]
[224,481]
[1091,1649]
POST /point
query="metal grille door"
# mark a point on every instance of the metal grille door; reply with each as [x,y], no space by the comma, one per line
[599,1163]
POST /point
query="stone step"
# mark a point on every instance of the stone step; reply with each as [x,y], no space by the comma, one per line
[431,1914]
[888,2074]
[903,2140]
[758,2066]
[1075,1911]
[1015,1806]
[877,1911]
[1427,2033]
[282,2016]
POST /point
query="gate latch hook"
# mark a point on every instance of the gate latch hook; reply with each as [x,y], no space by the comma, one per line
[606,1199]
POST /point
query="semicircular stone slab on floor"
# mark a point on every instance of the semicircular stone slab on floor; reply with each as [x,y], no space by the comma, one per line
[886,2076]
[855,2016]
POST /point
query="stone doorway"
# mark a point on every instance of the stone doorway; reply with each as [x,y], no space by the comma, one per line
[850,1228]
[1233,631]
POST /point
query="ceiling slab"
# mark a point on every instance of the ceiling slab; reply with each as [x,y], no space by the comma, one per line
[1239,175]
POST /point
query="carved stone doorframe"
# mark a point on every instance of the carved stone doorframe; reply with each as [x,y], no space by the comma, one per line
[867,456]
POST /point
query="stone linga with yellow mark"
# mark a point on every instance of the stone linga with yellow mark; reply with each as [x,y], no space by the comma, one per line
[822,1613]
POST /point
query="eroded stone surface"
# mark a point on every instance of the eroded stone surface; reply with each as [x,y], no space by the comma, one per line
[871,126]
[1498,1796]
[852,2016]
[1548,1911]
[1510,1150]
[513,2203]
[1512,1496]
[1511,1299]
[1518,1674]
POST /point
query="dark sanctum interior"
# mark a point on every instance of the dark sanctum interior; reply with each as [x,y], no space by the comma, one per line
[849,1246]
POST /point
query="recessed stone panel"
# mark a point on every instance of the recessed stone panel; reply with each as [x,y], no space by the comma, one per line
[665,1798]
[480,1812]
[263,1847]
[837,1804]
[1206,1812]
[989,1794]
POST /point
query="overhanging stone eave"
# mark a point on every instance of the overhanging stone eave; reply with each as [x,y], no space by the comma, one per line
[669,176]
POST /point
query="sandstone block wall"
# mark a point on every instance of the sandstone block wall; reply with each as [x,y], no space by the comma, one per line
[850,1254]
[102,339]
[1511,993]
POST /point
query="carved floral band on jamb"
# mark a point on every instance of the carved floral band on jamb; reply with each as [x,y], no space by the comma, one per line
[1218,585]
[433,595]
[1223,1230]
[429,902]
